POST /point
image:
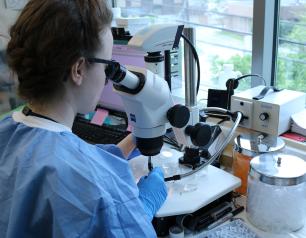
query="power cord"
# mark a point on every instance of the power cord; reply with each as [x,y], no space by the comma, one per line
[233,83]
[196,57]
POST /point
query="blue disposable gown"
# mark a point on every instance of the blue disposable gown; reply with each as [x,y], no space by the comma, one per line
[53,184]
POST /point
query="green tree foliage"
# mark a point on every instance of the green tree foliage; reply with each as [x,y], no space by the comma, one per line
[291,65]
[241,64]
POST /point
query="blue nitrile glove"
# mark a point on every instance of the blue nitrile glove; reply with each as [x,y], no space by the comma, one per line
[152,191]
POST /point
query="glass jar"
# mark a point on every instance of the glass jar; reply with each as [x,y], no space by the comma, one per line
[276,200]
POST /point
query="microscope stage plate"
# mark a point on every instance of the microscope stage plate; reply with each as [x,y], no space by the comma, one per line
[188,194]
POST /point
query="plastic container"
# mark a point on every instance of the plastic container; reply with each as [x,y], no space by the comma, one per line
[276,199]
[246,147]
[116,14]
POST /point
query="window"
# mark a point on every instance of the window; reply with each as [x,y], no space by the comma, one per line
[291,58]
[8,95]
[223,33]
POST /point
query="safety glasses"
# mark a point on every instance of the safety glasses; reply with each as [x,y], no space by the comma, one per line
[110,65]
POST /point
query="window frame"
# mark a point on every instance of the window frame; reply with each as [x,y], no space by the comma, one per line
[264,40]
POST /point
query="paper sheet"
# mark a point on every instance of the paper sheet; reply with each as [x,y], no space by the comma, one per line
[299,122]
[99,116]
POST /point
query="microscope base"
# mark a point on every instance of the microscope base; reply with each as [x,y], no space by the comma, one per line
[197,221]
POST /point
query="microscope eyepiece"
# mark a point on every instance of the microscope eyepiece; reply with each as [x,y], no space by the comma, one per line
[115,72]
[119,75]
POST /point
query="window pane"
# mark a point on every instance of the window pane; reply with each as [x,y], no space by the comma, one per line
[223,33]
[291,60]
[8,96]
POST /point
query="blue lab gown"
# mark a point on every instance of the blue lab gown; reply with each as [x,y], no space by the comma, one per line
[53,184]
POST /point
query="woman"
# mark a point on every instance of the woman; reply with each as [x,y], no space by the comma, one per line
[52,183]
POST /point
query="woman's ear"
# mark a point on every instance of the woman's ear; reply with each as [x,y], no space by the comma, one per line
[78,71]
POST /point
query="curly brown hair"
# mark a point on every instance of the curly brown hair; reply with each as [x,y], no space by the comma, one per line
[48,38]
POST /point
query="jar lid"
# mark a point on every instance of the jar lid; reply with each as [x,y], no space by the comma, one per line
[257,143]
[278,169]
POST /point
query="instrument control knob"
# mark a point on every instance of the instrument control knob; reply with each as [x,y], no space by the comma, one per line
[178,116]
[264,116]
[200,134]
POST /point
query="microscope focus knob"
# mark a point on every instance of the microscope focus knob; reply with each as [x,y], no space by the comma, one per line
[178,116]
[264,116]
[200,134]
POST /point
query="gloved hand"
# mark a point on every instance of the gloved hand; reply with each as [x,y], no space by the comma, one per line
[152,191]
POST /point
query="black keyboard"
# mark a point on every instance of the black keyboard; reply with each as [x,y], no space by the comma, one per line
[95,134]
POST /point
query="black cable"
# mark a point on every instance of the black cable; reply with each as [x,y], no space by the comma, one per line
[196,57]
[213,134]
[252,75]
[170,140]
[173,143]
[230,92]
[223,120]
[215,115]
[233,83]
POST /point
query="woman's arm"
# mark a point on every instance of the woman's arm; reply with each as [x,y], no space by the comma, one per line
[127,145]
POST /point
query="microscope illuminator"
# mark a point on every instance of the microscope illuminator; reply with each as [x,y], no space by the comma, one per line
[270,113]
